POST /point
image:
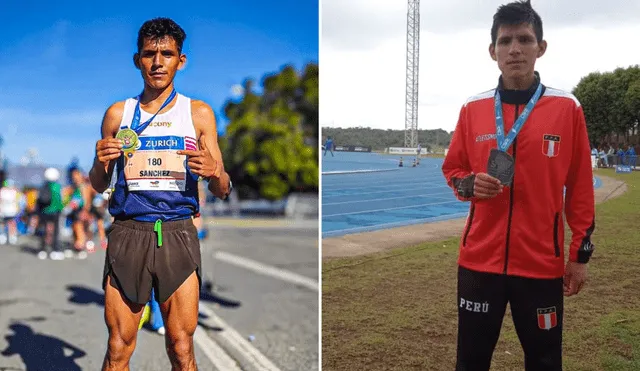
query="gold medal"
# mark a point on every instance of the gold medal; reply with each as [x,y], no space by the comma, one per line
[129,139]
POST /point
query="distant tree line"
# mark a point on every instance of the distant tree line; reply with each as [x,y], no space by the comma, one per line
[379,139]
[610,100]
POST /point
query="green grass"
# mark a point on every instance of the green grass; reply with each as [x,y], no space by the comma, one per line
[397,310]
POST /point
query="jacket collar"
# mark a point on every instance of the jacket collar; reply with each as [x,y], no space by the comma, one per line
[519,96]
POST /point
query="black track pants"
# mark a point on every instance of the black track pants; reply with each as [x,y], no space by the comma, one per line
[536,307]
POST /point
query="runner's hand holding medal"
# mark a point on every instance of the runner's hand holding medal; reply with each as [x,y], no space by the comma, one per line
[108,149]
[126,139]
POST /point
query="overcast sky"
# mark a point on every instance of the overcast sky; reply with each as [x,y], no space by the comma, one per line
[363,54]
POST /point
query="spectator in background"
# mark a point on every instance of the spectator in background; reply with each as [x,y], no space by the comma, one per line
[603,157]
[620,154]
[31,209]
[77,207]
[328,146]
[98,211]
[11,205]
[197,220]
[153,316]
[631,156]
[49,208]
[611,154]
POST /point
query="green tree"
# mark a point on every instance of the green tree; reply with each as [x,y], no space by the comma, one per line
[611,103]
[593,95]
[270,148]
[632,102]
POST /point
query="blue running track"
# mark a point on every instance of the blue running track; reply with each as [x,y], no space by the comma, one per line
[382,195]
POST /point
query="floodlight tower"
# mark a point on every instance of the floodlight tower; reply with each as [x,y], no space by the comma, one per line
[413,57]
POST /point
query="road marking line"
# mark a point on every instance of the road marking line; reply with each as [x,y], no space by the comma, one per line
[252,354]
[220,359]
[266,270]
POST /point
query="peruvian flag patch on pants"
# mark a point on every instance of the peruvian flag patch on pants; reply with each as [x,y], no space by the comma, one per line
[547,318]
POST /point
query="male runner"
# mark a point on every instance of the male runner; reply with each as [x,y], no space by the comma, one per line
[512,153]
[153,244]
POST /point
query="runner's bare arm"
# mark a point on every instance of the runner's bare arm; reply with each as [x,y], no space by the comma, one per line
[107,148]
[86,196]
[205,125]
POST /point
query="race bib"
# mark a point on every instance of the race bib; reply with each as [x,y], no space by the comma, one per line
[155,165]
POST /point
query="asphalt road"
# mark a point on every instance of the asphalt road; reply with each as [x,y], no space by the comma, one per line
[262,312]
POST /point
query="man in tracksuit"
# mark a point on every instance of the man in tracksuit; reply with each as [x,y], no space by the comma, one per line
[514,173]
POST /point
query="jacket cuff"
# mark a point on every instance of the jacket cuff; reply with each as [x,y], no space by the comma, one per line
[583,253]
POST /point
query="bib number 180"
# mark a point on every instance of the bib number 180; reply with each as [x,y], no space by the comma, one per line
[155,161]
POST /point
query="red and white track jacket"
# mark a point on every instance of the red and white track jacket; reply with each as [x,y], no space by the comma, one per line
[521,231]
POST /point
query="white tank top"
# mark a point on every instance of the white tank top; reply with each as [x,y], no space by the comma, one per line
[9,202]
[154,165]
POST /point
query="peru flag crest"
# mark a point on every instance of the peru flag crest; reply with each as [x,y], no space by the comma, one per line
[547,318]
[550,145]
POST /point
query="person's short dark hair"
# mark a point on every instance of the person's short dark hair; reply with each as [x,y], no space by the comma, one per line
[72,169]
[515,13]
[158,28]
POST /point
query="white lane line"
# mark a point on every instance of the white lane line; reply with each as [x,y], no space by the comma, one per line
[426,195]
[391,208]
[267,270]
[395,183]
[368,181]
[220,359]
[250,354]
[336,172]
[325,196]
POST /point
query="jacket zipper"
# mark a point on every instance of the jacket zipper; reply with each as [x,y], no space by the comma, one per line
[556,245]
[466,233]
[513,182]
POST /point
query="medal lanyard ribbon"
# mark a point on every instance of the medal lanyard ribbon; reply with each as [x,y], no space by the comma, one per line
[135,122]
[504,143]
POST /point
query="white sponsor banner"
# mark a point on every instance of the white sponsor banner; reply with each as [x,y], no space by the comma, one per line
[403,151]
